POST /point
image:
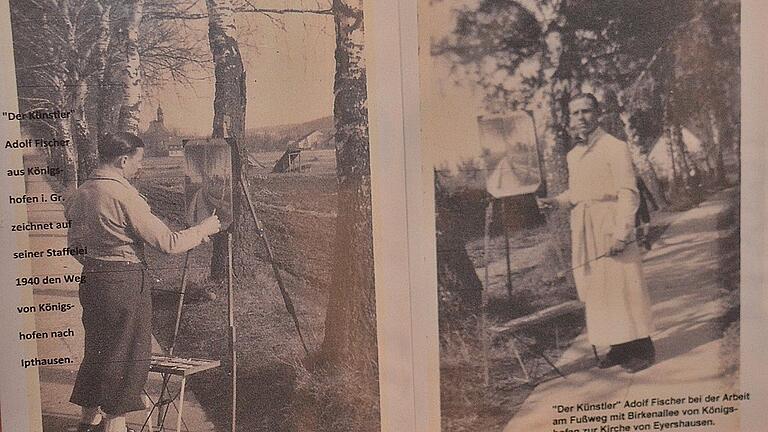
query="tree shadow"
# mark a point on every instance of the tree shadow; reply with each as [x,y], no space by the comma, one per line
[263,395]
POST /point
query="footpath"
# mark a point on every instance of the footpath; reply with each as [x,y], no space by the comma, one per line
[682,271]
[56,382]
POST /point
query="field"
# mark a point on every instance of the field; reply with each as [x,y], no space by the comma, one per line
[298,212]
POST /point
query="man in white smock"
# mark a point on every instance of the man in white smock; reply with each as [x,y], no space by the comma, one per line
[603,197]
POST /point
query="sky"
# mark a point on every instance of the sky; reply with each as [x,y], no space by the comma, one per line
[289,74]
[449,108]
[450,104]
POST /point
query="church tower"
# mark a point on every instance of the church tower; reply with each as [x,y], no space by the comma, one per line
[159,114]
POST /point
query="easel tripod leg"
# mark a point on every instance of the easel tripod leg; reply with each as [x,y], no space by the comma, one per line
[232,332]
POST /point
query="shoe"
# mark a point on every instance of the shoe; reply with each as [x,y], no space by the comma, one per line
[635,365]
[85,427]
[643,361]
[610,360]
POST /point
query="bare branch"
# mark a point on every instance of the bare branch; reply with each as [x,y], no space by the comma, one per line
[250,8]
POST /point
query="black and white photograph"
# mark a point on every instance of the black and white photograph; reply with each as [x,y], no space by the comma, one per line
[586,160]
[207,192]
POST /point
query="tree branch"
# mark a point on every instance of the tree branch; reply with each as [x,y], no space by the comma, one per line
[249,9]
[253,9]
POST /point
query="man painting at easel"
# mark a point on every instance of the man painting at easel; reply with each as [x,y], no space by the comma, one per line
[113,221]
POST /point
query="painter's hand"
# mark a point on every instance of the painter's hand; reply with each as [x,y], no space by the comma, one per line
[209,226]
[546,203]
[617,248]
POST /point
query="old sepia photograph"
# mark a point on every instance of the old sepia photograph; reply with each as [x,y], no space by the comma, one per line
[208,169]
[586,161]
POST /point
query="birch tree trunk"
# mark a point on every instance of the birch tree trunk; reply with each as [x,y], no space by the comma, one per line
[716,150]
[552,136]
[87,149]
[350,324]
[681,181]
[75,91]
[108,100]
[674,177]
[550,115]
[228,116]
[130,68]
[640,158]
[65,157]
[78,88]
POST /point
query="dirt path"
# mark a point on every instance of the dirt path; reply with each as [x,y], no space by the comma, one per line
[682,272]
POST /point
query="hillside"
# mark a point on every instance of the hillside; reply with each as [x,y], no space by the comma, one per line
[317,134]
[294,128]
[280,137]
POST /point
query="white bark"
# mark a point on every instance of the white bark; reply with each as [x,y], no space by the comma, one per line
[350,333]
[640,159]
[130,68]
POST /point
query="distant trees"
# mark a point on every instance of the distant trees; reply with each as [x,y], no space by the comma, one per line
[669,64]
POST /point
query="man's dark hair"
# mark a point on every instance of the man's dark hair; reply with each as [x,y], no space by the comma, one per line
[114,145]
[589,96]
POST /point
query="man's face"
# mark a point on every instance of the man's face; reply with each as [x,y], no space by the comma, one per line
[583,116]
[132,163]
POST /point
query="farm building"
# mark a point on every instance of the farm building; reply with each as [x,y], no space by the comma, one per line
[290,161]
[313,140]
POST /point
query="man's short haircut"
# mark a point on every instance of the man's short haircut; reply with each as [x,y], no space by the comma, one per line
[589,96]
[114,145]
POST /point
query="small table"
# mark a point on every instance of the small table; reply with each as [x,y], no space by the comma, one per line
[515,325]
[169,366]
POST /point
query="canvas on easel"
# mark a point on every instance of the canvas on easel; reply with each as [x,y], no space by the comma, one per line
[208,181]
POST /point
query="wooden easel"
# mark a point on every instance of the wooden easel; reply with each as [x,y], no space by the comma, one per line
[169,366]
[161,363]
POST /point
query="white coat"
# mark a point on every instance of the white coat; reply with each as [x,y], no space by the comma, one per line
[603,193]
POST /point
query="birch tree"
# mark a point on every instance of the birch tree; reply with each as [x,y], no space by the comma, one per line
[350,333]
[228,111]
[145,46]
[60,59]
[87,153]
[130,67]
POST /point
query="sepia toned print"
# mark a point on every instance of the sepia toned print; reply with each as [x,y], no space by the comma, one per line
[250,115]
[595,286]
